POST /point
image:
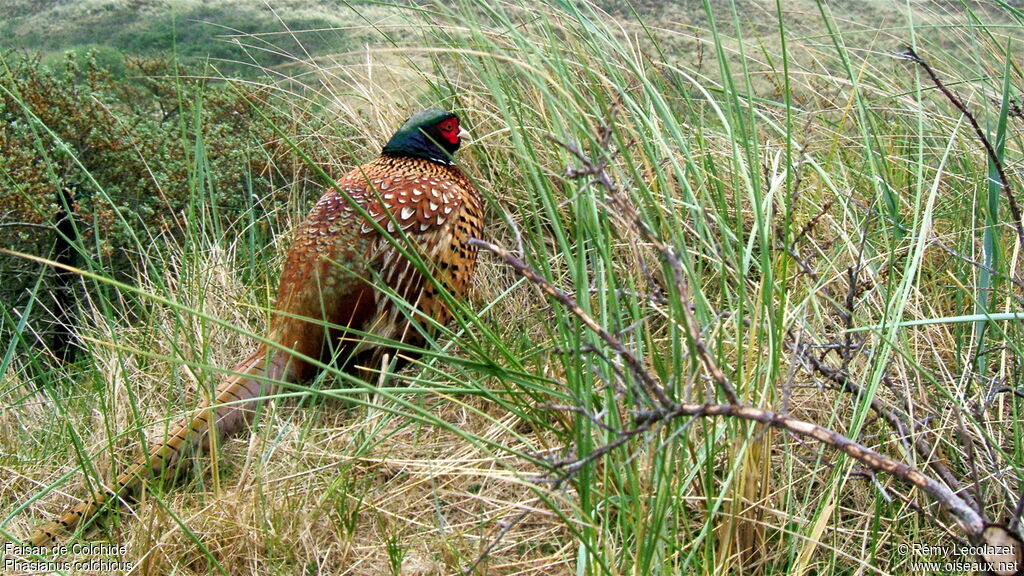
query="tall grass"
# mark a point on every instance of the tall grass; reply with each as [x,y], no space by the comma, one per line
[823,198]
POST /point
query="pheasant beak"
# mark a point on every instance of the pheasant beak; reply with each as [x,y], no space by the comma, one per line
[463,134]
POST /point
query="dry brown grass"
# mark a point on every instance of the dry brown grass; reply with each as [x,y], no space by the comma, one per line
[327,488]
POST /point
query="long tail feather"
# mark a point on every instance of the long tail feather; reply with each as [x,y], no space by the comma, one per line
[234,406]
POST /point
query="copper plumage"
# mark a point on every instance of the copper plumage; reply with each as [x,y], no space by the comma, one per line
[354,254]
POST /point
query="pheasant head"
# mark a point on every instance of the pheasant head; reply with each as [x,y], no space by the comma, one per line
[432,134]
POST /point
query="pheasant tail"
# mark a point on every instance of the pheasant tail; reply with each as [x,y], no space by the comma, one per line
[233,407]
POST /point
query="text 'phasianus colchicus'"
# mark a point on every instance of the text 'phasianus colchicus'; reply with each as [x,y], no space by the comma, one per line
[358,244]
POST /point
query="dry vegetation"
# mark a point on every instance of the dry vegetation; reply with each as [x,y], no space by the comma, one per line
[807,190]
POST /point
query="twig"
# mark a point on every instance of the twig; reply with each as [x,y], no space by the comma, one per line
[895,421]
[595,418]
[25,225]
[1018,510]
[1004,182]
[598,170]
[900,422]
[1019,283]
[970,520]
[497,539]
[650,385]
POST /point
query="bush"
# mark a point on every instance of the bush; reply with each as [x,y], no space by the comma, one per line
[139,156]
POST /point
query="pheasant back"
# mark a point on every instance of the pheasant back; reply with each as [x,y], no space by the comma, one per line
[382,224]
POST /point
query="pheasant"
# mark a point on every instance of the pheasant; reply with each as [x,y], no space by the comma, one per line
[355,253]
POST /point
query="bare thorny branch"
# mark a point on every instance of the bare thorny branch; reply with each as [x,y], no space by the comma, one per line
[1004,182]
[617,199]
[665,409]
[901,421]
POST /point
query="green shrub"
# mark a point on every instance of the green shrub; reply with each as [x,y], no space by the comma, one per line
[143,149]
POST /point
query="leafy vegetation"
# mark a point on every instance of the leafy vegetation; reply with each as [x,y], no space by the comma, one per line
[136,161]
[827,221]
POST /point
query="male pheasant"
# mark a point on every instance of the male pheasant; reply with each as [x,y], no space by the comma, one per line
[366,242]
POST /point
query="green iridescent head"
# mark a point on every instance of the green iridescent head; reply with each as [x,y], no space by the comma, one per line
[432,134]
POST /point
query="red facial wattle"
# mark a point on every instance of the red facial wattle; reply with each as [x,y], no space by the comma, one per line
[449,130]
